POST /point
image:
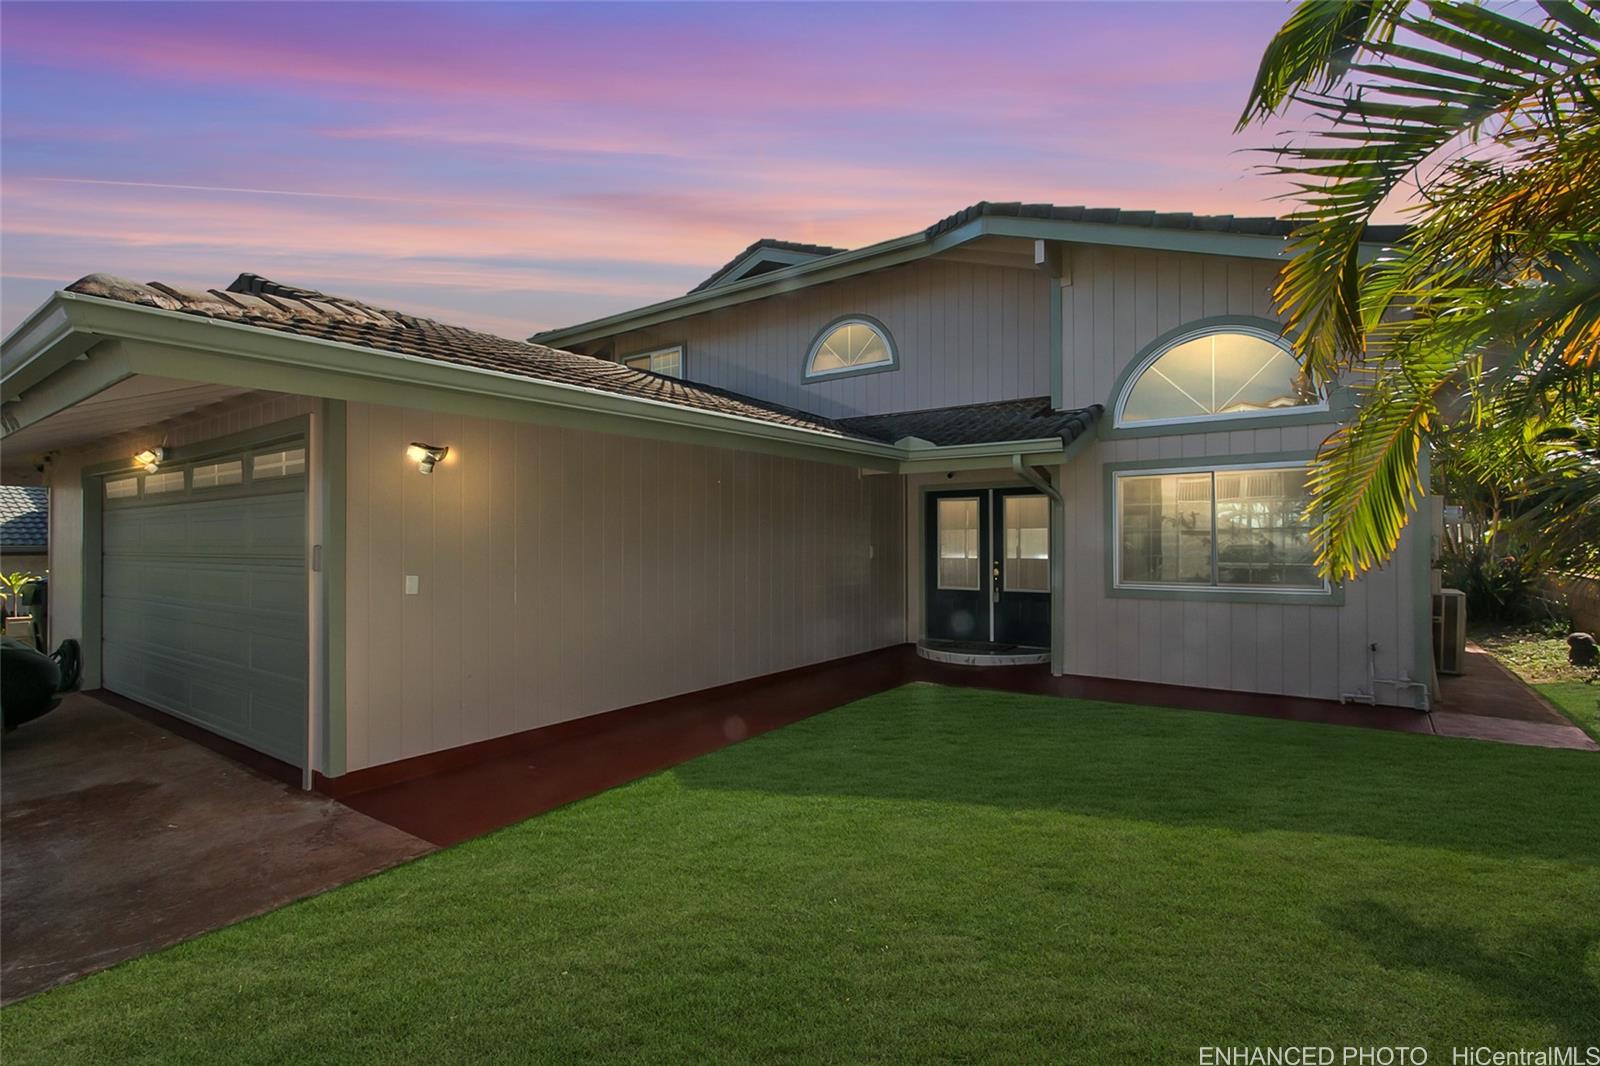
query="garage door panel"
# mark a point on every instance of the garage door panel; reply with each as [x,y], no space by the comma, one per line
[204,611]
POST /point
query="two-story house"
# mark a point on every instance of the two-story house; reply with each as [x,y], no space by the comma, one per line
[350,537]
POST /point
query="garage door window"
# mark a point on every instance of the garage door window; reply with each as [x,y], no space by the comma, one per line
[287,463]
[213,475]
[169,481]
[122,489]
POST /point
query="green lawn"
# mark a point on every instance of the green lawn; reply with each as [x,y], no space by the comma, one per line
[1577,700]
[931,874]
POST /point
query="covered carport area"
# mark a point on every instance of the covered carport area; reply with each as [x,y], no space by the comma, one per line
[165,798]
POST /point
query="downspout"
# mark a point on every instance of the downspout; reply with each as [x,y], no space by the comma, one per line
[1034,478]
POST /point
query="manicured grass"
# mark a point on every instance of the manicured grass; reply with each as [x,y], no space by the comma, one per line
[1578,701]
[931,874]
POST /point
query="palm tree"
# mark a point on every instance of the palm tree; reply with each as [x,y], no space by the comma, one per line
[1485,320]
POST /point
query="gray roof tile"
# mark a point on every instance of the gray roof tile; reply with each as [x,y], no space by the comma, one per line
[979,423]
[24,517]
[1261,226]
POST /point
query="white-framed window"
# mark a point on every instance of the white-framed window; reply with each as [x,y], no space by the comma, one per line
[1216,372]
[848,346]
[122,488]
[286,463]
[215,475]
[1227,527]
[667,362]
[165,481]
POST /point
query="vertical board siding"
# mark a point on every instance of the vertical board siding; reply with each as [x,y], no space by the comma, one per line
[1119,301]
[565,573]
[964,333]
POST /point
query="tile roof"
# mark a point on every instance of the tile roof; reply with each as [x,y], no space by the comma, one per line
[818,250]
[979,423]
[24,517]
[256,301]
[1260,226]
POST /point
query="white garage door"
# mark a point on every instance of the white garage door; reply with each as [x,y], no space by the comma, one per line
[204,595]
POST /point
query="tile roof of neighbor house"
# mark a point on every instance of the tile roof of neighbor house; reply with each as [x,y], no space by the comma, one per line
[817,250]
[256,301]
[1259,226]
[24,517]
[979,423]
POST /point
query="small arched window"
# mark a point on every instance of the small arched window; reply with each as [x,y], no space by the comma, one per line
[850,345]
[1223,372]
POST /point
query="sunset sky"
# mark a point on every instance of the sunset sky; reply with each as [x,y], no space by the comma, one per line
[515,167]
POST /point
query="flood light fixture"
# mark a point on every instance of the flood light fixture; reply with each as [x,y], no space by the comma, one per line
[426,455]
[150,459]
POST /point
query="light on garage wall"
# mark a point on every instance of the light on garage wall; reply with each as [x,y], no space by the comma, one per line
[150,459]
[426,455]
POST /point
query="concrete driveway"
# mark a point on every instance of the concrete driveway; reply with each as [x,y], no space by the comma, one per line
[121,838]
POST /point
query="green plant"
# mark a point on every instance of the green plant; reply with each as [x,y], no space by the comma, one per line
[12,586]
[1503,587]
[1486,317]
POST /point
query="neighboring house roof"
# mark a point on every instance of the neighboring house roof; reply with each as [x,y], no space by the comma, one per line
[979,423]
[24,518]
[1258,226]
[735,283]
[755,262]
[256,301]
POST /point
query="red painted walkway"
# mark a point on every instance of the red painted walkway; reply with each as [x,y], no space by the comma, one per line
[525,776]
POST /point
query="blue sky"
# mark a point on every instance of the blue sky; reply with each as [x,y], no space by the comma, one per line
[520,166]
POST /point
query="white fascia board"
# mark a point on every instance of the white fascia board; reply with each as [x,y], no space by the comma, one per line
[41,343]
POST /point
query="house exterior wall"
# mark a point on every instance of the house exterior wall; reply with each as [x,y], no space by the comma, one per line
[1118,302]
[564,573]
[66,493]
[28,564]
[965,334]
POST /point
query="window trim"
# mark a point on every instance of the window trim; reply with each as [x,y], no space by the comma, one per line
[1265,328]
[681,347]
[1330,595]
[809,376]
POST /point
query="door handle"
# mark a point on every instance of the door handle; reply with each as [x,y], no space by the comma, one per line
[995,583]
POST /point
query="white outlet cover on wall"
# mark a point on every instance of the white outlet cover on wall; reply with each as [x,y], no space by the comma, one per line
[413,584]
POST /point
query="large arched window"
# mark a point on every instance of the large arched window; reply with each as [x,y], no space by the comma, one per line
[1215,372]
[850,345]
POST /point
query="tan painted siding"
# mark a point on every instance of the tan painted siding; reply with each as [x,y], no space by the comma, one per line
[1118,302]
[66,489]
[965,334]
[565,573]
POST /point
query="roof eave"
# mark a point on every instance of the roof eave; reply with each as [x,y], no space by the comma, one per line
[188,347]
[173,344]
[917,246]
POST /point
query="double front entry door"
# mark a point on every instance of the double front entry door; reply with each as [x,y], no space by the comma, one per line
[988,566]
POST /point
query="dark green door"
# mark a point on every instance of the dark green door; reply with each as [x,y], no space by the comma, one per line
[988,566]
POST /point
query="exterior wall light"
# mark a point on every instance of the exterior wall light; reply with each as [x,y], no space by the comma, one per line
[426,455]
[150,459]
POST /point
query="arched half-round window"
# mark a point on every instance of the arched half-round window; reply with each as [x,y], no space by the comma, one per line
[1223,372]
[848,346]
